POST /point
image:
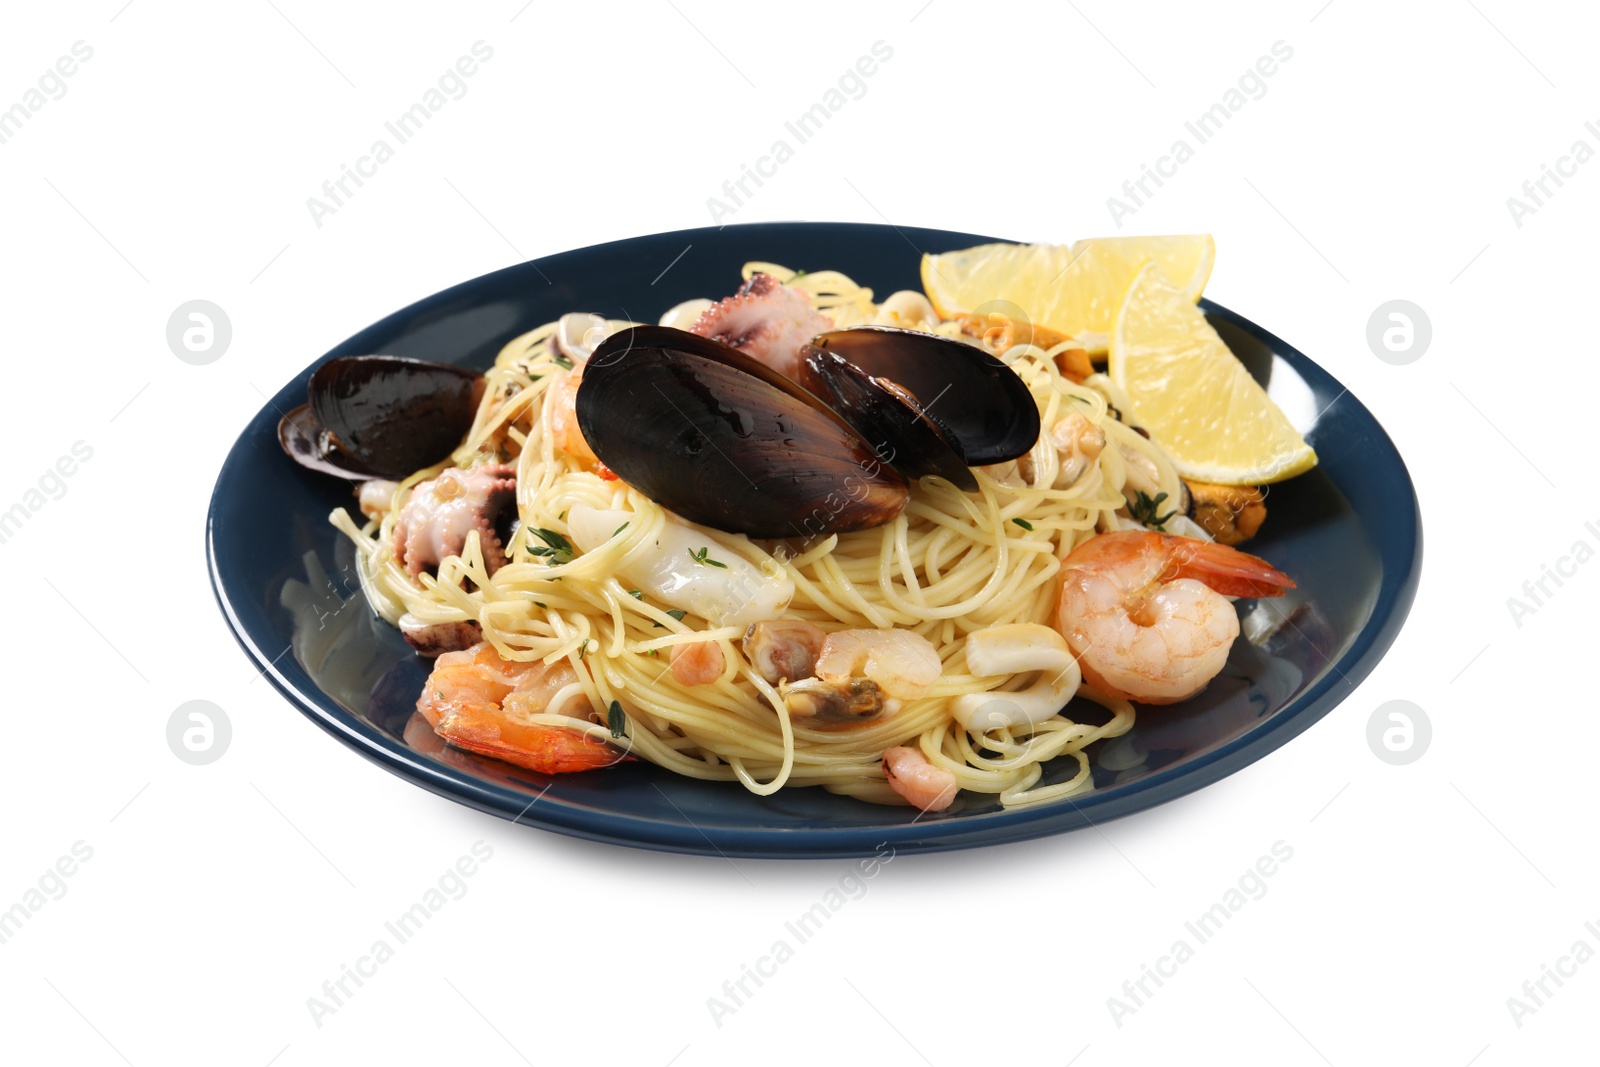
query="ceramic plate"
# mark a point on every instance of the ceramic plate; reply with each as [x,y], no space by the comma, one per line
[1349,532]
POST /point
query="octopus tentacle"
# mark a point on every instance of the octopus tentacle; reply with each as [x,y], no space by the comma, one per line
[765,321]
[441,512]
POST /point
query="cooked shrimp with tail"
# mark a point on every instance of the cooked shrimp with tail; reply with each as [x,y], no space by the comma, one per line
[479,702]
[1148,614]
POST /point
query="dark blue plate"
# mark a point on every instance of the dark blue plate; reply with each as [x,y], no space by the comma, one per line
[1349,532]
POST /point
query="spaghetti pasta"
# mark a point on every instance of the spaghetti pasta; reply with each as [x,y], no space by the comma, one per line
[951,564]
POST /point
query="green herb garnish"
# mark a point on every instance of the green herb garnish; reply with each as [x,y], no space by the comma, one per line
[1143,509]
[637,594]
[617,720]
[619,529]
[1024,523]
[557,548]
[701,557]
[563,361]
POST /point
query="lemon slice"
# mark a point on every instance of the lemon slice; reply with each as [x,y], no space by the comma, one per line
[1186,258]
[1196,399]
[957,282]
[1076,290]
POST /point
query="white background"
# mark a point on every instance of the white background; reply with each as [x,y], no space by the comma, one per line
[219,898]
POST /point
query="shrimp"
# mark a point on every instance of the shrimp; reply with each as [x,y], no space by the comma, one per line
[697,663]
[375,497]
[861,675]
[479,702]
[907,309]
[1147,614]
[903,663]
[921,783]
[564,429]
[1079,443]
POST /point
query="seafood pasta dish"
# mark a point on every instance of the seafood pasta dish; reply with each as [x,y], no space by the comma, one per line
[911,549]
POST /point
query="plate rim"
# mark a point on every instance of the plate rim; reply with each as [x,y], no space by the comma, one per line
[1392,604]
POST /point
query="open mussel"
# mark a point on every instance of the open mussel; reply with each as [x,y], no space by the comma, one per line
[974,398]
[380,416]
[707,432]
[887,415]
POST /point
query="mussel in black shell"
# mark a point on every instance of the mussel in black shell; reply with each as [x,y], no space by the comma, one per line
[722,440]
[888,416]
[977,400]
[381,416]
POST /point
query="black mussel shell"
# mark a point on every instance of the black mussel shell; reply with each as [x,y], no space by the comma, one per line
[308,444]
[707,432]
[381,416]
[979,401]
[887,415]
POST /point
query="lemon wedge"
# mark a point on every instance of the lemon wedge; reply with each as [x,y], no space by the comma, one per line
[1185,258]
[1193,395]
[1074,289]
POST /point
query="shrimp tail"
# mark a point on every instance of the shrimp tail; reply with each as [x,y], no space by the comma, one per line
[466,701]
[1139,629]
[546,749]
[1225,569]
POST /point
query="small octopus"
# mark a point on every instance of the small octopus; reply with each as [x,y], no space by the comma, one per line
[765,321]
[441,512]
